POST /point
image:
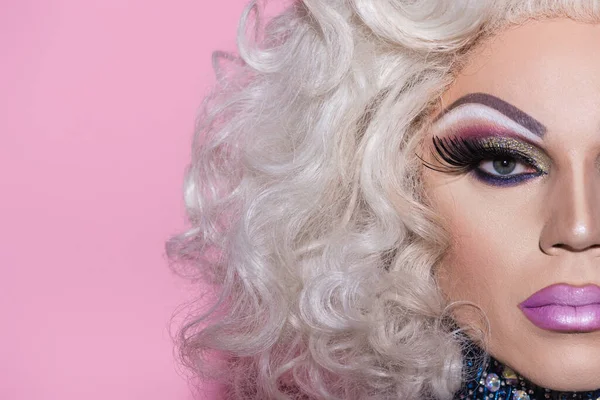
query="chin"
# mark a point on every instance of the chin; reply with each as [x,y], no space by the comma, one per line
[563,362]
[556,380]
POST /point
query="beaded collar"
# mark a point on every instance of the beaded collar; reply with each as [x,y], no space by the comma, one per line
[498,382]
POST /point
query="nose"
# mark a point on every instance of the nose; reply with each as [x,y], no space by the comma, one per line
[573,222]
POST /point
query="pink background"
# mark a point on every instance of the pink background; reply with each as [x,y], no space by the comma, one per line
[97,106]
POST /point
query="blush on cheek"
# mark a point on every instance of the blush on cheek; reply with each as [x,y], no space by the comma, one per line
[465,277]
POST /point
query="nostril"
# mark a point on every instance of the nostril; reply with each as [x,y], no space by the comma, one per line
[559,236]
[575,249]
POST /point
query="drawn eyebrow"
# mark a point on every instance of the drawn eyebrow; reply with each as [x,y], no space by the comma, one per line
[512,112]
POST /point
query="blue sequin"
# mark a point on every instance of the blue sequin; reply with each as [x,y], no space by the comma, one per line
[495,382]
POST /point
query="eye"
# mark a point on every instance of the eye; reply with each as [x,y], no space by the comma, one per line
[506,170]
[505,166]
[494,160]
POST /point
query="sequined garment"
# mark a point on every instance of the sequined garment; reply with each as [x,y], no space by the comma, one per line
[498,382]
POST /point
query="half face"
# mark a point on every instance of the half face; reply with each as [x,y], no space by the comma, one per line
[514,154]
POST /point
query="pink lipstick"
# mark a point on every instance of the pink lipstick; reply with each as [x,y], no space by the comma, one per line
[564,308]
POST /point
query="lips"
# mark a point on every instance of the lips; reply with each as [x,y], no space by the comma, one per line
[564,308]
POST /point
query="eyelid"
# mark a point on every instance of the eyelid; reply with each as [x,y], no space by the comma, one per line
[472,114]
[529,152]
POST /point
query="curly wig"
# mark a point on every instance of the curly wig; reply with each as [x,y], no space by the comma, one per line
[309,223]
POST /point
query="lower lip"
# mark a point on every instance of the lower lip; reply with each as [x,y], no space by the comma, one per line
[561,318]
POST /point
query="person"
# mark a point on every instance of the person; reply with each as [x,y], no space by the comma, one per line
[396,199]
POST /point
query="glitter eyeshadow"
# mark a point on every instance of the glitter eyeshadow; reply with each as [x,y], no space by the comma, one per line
[532,153]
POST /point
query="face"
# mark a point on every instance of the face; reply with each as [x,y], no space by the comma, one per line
[515,174]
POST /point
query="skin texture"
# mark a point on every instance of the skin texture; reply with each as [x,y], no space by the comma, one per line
[510,241]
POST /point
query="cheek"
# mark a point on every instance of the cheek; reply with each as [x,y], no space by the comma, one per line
[473,264]
[472,269]
[490,261]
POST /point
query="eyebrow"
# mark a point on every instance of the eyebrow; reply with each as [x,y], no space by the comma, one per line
[512,112]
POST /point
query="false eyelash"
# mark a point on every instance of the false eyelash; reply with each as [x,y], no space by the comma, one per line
[459,155]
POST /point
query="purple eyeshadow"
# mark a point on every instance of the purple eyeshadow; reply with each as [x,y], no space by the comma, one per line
[513,180]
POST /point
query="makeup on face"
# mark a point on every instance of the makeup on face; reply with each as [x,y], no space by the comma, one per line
[524,250]
[495,160]
[484,134]
[564,308]
[501,106]
[498,143]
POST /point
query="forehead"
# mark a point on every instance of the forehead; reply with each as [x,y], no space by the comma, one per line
[550,69]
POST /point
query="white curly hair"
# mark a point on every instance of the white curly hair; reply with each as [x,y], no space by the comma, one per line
[308,218]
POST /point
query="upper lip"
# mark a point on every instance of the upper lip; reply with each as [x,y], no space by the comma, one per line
[563,294]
